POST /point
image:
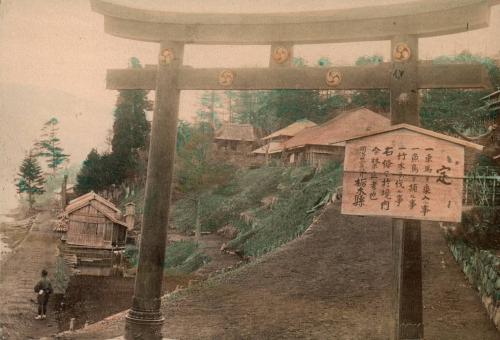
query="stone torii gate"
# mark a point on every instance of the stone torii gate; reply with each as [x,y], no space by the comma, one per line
[402,24]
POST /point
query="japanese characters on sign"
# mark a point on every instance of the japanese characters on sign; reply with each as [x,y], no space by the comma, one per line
[403,174]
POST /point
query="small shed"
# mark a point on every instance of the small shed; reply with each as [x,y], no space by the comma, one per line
[94,222]
[235,137]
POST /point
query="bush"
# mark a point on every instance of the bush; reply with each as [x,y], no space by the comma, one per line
[178,252]
[481,227]
[181,256]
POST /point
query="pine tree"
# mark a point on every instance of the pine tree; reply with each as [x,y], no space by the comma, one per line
[30,178]
[49,147]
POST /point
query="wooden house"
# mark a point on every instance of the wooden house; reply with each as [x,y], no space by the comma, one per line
[235,137]
[320,144]
[290,131]
[274,143]
[94,222]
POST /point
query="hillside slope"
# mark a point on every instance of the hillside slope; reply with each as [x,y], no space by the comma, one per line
[334,282]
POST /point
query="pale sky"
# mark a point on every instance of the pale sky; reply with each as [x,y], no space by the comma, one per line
[54,55]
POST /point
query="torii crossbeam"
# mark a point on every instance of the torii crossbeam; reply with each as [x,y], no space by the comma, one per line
[402,24]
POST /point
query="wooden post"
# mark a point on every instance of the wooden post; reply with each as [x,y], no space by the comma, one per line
[144,320]
[406,237]
[63,192]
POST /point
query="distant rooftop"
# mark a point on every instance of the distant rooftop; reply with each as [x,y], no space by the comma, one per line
[269,148]
[292,129]
[346,125]
[237,132]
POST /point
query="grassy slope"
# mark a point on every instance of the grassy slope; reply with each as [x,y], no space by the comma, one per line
[297,190]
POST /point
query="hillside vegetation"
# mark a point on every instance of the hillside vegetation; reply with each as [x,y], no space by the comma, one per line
[267,206]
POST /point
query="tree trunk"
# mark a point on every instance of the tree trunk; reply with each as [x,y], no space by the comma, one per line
[63,192]
[30,199]
[197,224]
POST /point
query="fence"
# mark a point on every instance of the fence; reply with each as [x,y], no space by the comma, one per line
[482,187]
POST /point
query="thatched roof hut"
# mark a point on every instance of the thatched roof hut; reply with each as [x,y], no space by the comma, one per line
[236,137]
[236,132]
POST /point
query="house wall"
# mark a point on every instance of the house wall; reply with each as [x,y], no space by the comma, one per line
[89,227]
[234,146]
[315,155]
[119,235]
[319,156]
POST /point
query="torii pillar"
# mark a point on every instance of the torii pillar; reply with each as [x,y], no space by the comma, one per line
[402,24]
[406,234]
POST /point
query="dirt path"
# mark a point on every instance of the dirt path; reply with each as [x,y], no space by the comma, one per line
[332,283]
[18,275]
[453,309]
[210,244]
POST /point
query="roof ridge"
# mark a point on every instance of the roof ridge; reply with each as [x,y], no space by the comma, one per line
[423,131]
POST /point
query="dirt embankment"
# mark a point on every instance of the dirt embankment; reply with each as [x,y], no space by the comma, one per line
[332,283]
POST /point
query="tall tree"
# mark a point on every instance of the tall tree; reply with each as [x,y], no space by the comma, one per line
[49,145]
[198,170]
[130,129]
[31,179]
[210,105]
[98,172]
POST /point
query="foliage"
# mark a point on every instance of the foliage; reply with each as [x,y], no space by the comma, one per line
[31,179]
[178,252]
[448,110]
[297,190]
[98,172]
[376,100]
[183,134]
[129,143]
[480,227]
[180,256]
[130,132]
[210,103]
[369,60]
[198,169]
[49,147]
[53,183]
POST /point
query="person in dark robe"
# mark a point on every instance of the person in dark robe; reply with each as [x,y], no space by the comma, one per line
[43,289]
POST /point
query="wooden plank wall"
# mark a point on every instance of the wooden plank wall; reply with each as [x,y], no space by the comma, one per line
[89,227]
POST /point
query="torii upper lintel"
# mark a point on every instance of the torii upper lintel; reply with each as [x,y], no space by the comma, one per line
[422,18]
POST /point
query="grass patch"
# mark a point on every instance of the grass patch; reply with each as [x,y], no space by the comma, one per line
[296,189]
[180,257]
